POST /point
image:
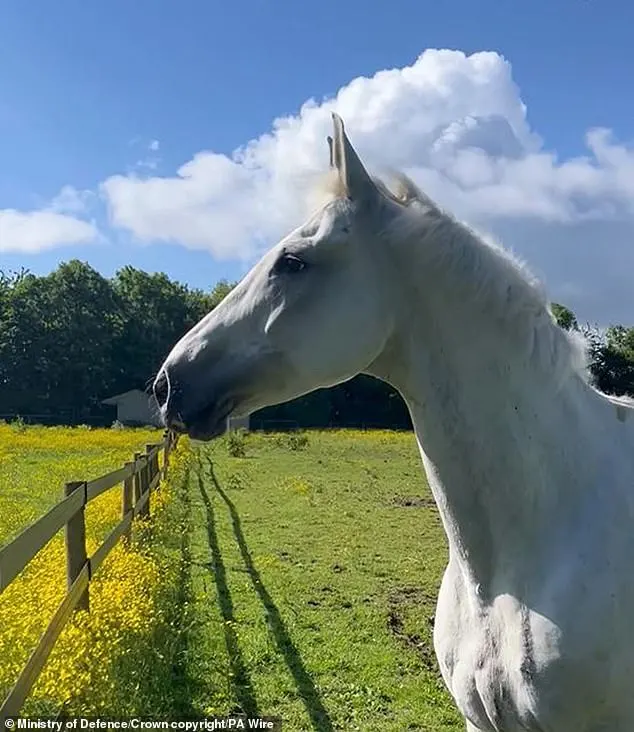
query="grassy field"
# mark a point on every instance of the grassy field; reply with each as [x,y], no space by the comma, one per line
[35,462]
[282,577]
[312,584]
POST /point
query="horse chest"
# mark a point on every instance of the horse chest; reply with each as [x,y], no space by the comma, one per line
[507,669]
[491,676]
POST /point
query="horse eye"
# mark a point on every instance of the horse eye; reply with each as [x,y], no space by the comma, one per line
[289,264]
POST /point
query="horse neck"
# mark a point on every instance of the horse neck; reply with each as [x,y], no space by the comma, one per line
[486,411]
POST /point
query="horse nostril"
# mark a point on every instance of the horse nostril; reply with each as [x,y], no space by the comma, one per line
[161,388]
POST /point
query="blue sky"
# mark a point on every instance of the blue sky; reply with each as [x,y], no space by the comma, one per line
[85,89]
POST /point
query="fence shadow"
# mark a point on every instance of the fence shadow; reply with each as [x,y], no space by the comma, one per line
[241,679]
[183,686]
[308,692]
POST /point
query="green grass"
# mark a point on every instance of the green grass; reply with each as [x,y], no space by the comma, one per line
[299,580]
[311,575]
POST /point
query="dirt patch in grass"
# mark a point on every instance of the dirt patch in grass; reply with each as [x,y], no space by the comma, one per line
[403,603]
[413,502]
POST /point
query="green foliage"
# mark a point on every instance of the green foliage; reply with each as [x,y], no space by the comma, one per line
[297,441]
[294,441]
[154,313]
[622,340]
[611,352]
[565,318]
[612,359]
[218,294]
[72,338]
[19,425]
[236,444]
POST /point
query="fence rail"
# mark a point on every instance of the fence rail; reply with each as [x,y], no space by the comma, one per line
[139,477]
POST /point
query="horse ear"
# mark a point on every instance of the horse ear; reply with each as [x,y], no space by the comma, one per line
[354,176]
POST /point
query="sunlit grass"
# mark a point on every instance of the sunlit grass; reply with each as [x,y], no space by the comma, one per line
[36,462]
[291,577]
[313,581]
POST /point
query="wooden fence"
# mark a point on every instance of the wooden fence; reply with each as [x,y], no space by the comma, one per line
[139,477]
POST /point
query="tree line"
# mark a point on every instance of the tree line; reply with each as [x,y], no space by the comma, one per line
[610,352]
[72,338]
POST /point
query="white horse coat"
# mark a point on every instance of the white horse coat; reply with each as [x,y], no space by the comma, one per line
[531,468]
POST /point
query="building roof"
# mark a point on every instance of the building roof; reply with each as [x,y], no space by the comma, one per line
[119,397]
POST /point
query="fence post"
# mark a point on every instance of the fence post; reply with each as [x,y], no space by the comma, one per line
[75,533]
[126,500]
[152,463]
[137,480]
[145,481]
[167,437]
[155,462]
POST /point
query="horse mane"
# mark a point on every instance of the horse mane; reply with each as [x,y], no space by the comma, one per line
[496,280]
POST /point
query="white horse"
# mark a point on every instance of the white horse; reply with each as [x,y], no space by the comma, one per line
[532,469]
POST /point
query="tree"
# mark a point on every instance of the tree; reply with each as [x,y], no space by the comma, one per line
[56,340]
[220,291]
[565,318]
[71,338]
[612,359]
[621,339]
[611,354]
[154,313]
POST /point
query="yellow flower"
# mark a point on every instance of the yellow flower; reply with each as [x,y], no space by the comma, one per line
[131,593]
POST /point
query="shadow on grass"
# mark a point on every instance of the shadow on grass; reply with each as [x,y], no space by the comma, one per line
[241,681]
[308,692]
[157,670]
[182,687]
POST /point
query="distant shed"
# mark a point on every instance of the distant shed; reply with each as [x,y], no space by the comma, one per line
[239,423]
[135,408]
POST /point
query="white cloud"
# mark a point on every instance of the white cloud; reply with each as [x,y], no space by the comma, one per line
[455,123]
[211,205]
[35,231]
[150,161]
[54,225]
[71,201]
[411,117]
